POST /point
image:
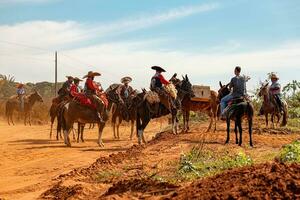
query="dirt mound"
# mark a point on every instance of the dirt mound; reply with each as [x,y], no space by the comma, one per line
[61,192]
[162,136]
[264,181]
[275,131]
[148,186]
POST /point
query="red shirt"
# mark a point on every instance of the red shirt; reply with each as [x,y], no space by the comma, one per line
[162,79]
[74,90]
[91,85]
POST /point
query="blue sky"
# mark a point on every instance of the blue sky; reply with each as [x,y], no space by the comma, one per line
[204,39]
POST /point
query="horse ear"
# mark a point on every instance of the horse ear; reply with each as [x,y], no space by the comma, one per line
[220,83]
[183,77]
[174,76]
[186,77]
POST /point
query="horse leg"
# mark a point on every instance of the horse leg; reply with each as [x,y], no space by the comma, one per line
[113,123]
[78,131]
[66,136]
[174,122]
[100,131]
[25,118]
[132,129]
[272,120]
[228,130]
[236,134]
[51,127]
[81,132]
[184,120]
[239,124]
[141,125]
[29,118]
[187,121]
[211,121]
[250,131]
[118,127]
[267,121]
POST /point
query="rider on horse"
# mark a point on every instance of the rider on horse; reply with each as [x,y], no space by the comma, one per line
[64,91]
[124,92]
[92,90]
[21,95]
[75,90]
[238,86]
[275,91]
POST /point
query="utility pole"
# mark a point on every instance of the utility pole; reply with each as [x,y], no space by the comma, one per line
[55,73]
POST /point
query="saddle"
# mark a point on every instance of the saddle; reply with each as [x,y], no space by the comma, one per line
[237,101]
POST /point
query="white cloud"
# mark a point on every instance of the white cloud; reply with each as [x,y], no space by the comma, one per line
[132,58]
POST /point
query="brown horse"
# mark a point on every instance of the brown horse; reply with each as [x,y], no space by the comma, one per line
[118,117]
[210,107]
[13,104]
[269,106]
[74,112]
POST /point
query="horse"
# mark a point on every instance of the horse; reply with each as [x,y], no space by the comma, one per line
[146,110]
[210,107]
[236,112]
[269,106]
[118,116]
[13,104]
[75,112]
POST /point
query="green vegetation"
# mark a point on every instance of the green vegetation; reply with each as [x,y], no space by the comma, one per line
[107,175]
[198,163]
[290,153]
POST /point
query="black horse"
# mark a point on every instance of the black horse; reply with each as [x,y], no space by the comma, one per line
[146,111]
[236,112]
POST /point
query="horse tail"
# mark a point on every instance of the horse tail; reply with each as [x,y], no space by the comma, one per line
[285,116]
[7,109]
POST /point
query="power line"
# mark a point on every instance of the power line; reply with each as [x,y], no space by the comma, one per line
[25,45]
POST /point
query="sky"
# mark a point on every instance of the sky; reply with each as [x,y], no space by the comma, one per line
[203,39]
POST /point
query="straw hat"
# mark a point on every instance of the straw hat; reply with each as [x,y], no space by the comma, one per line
[158,68]
[19,85]
[76,79]
[126,79]
[274,76]
[92,74]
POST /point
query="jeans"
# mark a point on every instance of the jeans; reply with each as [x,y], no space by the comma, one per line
[224,102]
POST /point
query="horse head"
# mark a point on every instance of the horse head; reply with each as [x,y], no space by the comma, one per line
[223,91]
[263,90]
[187,87]
[36,96]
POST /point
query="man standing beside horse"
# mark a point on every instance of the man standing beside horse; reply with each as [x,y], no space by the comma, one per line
[125,92]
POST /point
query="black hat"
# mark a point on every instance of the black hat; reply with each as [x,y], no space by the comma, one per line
[158,68]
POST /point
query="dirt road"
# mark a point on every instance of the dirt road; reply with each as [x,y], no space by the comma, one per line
[29,160]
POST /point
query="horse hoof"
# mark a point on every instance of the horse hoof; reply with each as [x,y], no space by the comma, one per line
[101,144]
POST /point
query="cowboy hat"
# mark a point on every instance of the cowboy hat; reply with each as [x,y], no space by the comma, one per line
[77,79]
[92,74]
[274,76]
[126,79]
[19,85]
[69,77]
[158,68]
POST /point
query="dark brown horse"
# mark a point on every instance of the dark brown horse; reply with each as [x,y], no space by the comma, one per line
[236,112]
[146,110]
[269,106]
[210,107]
[13,104]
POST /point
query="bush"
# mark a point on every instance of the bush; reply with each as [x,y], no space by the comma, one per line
[198,163]
[290,152]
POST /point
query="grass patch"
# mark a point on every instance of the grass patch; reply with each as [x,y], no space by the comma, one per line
[199,163]
[293,124]
[107,175]
[290,153]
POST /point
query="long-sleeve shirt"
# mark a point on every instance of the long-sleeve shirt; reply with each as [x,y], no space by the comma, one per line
[74,91]
[275,88]
[20,91]
[161,78]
